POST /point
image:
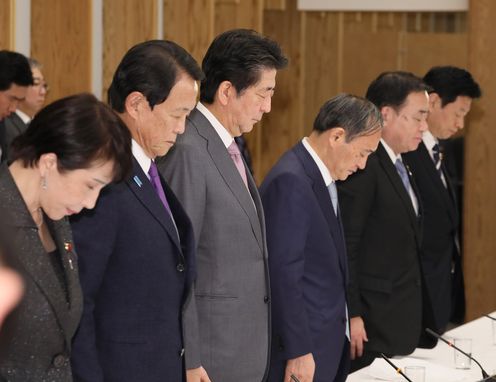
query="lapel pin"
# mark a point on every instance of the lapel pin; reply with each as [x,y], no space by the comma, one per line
[137,181]
[68,248]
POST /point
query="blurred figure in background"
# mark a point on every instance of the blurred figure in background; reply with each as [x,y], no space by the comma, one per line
[17,122]
[15,77]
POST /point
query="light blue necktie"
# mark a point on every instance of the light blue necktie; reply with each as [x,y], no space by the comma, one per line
[400,167]
[334,196]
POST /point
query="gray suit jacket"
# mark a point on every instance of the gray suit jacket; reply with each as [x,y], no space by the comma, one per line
[35,340]
[232,285]
[14,126]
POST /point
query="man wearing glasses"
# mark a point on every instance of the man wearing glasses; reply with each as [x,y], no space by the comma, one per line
[15,77]
[17,122]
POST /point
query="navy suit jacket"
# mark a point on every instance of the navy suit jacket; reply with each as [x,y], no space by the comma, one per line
[307,263]
[136,277]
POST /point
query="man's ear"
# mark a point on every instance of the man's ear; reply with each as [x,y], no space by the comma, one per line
[387,113]
[225,91]
[134,101]
[337,135]
[434,101]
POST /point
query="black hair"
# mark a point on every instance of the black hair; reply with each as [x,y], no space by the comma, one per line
[238,56]
[80,130]
[14,69]
[392,89]
[449,82]
[151,68]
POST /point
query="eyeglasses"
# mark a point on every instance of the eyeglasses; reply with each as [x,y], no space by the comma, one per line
[41,83]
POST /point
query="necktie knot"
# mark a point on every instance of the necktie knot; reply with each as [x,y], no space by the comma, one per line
[157,185]
[437,155]
[233,149]
[334,196]
[153,171]
[400,167]
[235,154]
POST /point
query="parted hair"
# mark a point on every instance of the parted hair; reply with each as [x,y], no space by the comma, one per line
[238,56]
[151,68]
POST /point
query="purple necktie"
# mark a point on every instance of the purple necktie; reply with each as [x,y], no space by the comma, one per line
[157,185]
[235,154]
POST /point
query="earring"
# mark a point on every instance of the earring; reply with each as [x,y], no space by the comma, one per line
[44,185]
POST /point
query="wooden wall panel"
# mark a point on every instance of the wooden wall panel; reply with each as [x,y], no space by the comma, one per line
[238,14]
[195,34]
[480,164]
[365,55]
[370,45]
[283,126]
[425,50]
[61,41]
[125,23]
[279,5]
[6,18]
[320,40]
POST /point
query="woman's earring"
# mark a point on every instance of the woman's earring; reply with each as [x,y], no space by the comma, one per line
[44,185]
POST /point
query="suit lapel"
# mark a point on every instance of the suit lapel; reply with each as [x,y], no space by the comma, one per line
[398,186]
[36,262]
[142,188]
[324,200]
[18,123]
[63,239]
[228,171]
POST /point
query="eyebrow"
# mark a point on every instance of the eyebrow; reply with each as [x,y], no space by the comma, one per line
[100,181]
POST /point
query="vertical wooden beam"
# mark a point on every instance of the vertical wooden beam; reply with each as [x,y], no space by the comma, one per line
[125,23]
[61,41]
[6,24]
[190,23]
[480,182]
[283,126]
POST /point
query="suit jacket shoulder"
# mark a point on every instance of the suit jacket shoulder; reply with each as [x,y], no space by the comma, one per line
[47,317]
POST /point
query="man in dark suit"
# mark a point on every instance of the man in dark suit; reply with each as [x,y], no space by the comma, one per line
[206,171]
[307,262]
[136,248]
[17,122]
[381,218]
[450,99]
[15,77]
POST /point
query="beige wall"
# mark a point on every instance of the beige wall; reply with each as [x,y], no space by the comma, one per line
[329,52]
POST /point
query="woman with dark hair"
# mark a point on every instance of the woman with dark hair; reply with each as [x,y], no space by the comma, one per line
[71,150]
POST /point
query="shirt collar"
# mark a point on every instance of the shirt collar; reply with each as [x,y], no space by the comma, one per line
[326,175]
[25,118]
[224,135]
[143,160]
[429,140]
[390,152]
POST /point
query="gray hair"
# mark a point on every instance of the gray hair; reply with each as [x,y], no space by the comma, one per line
[356,115]
[34,64]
